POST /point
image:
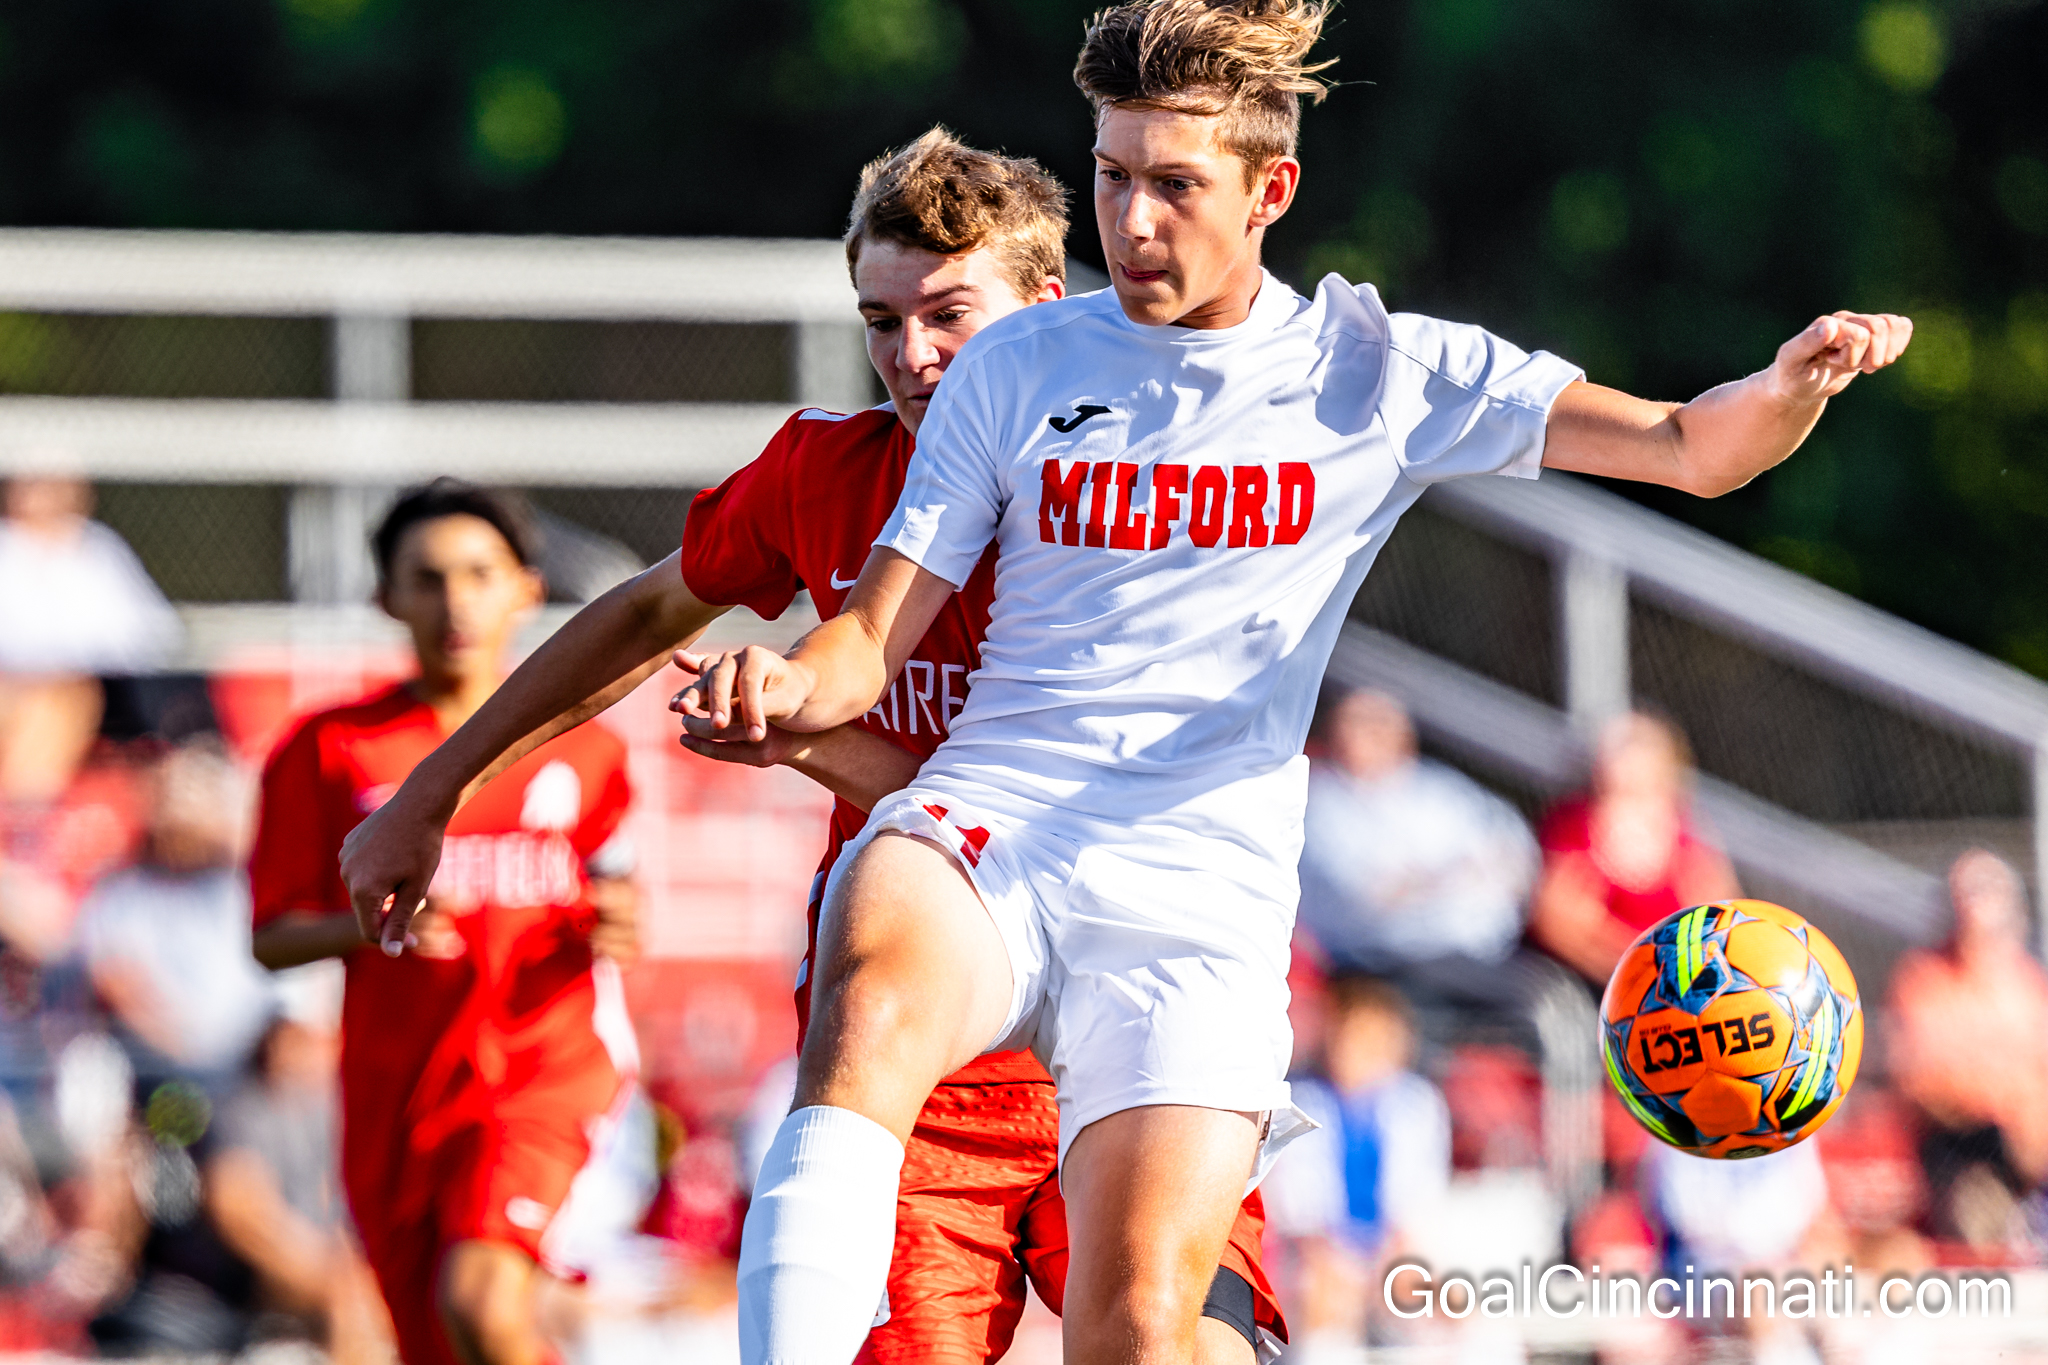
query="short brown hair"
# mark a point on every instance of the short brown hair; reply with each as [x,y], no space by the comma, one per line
[942,196]
[1351,992]
[1243,59]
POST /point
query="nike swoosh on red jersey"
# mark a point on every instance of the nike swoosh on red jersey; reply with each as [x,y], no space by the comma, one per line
[847,584]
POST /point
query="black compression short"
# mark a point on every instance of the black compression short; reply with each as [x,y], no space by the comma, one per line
[1230,1303]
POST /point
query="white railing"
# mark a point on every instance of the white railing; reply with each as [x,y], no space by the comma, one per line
[1511,732]
[343,455]
[1603,550]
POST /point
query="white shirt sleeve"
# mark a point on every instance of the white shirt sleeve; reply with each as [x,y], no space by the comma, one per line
[952,499]
[1459,400]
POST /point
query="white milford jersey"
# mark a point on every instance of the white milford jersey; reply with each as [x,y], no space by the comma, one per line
[1183,517]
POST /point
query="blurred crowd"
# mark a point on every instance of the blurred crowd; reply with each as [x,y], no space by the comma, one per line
[168,1127]
[167,1114]
[1439,931]
[167,1130]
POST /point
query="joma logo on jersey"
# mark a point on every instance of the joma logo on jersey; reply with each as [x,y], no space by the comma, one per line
[1679,1047]
[1210,503]
[1081,414]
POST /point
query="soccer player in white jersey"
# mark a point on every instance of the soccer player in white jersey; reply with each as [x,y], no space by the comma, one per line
[1186,479]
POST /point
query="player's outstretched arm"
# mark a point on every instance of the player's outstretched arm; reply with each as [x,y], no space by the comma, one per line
[855,766]
[603,653]
[1729,435]
[300,936]
[835,672]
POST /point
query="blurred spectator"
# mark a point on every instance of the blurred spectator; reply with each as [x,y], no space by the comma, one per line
[1969,1050]
[1406,864]
[75,603]
[273,1178]
[1349,1192]
[58,1261]
[1495,1097]
[1627,854]
[1727,1217]
[166,943]
[189,1293]
[1876,1187]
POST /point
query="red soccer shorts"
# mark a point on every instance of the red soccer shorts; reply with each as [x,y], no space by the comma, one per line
[979,1212]
[500,1178]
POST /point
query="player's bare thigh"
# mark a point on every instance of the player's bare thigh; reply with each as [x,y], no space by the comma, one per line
[913,983]
[1151,1195]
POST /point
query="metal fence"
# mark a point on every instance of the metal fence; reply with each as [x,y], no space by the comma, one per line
[248,402]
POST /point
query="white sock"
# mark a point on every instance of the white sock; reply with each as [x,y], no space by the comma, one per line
[814,1256]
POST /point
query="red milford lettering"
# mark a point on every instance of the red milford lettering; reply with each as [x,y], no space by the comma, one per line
[1061,497]
[1297,502]
[1248,506]
[1169,485]
[1205,506]
[1127,532]
[1098,507]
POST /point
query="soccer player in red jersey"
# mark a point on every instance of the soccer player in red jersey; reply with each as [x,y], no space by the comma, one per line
[943,241]
[475,1067]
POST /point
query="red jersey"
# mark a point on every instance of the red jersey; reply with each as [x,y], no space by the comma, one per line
[804,515]
[518,1004]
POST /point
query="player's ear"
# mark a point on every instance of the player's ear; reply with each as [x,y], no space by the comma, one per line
[1276,186]
[1052,287]
[536,588]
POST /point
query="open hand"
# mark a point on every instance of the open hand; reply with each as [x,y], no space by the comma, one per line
[1819,362]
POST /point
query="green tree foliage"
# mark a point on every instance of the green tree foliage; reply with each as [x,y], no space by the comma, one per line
[1661,192]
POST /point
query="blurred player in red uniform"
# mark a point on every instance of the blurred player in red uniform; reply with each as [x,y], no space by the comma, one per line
[476,1067]
[943,241]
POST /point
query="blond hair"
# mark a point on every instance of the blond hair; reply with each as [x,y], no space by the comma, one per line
[942,196]
[1245,60]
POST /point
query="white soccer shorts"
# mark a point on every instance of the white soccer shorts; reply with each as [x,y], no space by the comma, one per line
[1139,976]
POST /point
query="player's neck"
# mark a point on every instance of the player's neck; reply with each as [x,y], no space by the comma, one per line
[1232,304]
[452,698]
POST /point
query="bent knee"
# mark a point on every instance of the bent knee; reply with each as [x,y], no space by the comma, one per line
[484,1290]
[1155,1310]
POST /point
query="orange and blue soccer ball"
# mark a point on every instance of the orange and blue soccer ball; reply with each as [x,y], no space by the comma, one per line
[1732,1030]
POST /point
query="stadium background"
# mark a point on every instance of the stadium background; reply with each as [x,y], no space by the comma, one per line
[1662,195]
